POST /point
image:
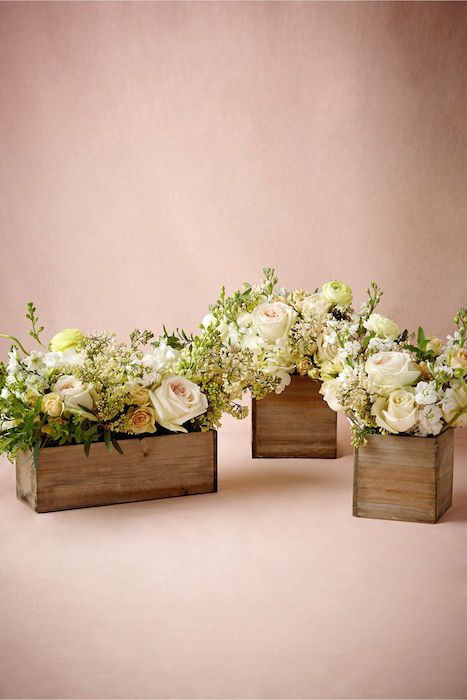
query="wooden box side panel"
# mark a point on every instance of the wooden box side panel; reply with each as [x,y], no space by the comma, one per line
[26,483]
[152,467]
[397,478]
[444,471]
[297,423]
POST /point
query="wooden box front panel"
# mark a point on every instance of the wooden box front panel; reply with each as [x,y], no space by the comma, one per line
[159,466]
[404,478]
[297,423]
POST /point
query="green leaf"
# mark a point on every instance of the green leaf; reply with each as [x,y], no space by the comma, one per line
[421,340]
[35,454]
[87,447]
[116,445]
[108,440]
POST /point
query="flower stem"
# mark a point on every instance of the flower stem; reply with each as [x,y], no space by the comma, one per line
[15,340]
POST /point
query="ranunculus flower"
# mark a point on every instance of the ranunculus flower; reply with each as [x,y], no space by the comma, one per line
[396,413]
[52,405]
[329,390]
[141,420]
[273,320]
[382,326]
[74,393]
[66,339]
[389,370]
[314,305]
[176,401]
[455,400]
[337,293]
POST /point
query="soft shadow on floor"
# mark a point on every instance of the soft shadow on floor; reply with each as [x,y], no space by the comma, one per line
[458,511]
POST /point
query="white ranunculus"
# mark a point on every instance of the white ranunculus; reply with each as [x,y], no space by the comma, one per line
[73,393]
[314,305]
[337,293]
[382,326]
[454,400]
[273,320]
[329,391]
[396,413]
[176,401]
[389,370]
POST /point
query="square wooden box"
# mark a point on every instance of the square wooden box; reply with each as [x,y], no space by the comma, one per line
[399,477]
[297,423]
[157,466]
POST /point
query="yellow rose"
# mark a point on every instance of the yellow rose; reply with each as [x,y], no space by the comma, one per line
[139,396]
[337,293]
[304,366]
[141,420]
[52,405]
[66,339]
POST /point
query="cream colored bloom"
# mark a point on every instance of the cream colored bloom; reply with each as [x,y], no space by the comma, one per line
[397,413]
[52,405]
[389,370]
[139,395]
[176,401]
[434,345]
[454,403]
[304,366]
[458,359]
[382,326]
[315,305]
[74,393]
[141,420]
[66,339]
[329,391]
[337,293]
[273,320]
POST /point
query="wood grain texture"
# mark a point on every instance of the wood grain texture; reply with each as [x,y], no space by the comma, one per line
[297,423]
[158,466]
[407,478]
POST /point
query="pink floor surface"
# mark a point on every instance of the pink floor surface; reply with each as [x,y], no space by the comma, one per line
[269,589]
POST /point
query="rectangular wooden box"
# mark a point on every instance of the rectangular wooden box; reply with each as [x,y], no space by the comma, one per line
[399,477]
[157,466]
[297,423]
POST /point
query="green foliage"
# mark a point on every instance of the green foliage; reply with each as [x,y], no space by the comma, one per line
[33,318]
[138,339]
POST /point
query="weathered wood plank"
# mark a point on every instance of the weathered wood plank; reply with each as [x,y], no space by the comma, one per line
[159,466]
[297,423]
[400,477]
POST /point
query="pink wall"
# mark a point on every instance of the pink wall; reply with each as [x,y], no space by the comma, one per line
[152,151]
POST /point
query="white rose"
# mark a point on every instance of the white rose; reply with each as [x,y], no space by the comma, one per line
[397,413]
[176,401]
[274,320]
[389,370]
[329,391]
[382,326]
[455,399]
[74,393]
[337,293]
[314,305]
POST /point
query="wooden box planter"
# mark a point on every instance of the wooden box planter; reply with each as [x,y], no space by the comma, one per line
[156,466]
[399,477]
[297,423]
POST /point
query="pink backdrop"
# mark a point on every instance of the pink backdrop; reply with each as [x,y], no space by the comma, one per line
[152,152]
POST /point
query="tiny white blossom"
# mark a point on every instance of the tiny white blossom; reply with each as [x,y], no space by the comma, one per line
[425,393]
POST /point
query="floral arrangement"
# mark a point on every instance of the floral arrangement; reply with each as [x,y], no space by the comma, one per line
[395,386]
[87,388]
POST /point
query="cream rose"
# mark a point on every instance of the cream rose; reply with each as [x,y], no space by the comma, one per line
[397,413]
[458,359]
[382,326]
[454,403]
[52,405]
[337,293]
[389,370]
[314,305]
[274,320]
[141,420]
[329,391]
[66,339]
[139,395]
[73,392]
[176,401]
[434,345]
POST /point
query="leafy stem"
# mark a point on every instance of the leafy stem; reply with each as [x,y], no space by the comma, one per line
[35,329]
